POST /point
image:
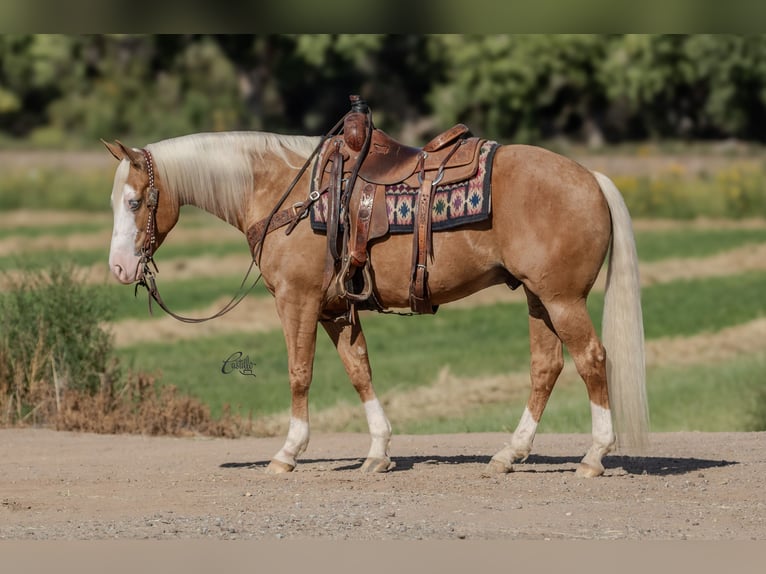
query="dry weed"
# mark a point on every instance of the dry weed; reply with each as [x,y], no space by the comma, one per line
[141,406]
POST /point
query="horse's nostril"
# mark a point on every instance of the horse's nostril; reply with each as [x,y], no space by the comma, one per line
[119,272]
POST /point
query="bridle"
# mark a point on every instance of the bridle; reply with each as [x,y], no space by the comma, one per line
[152,201]
[146,256]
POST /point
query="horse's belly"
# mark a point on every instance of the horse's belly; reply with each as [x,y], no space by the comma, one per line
[464,262]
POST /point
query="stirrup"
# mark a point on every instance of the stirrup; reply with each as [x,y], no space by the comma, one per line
[343,276]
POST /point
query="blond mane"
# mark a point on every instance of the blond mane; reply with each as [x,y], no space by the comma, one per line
[214,170]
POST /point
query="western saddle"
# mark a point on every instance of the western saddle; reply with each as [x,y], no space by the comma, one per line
[354,167]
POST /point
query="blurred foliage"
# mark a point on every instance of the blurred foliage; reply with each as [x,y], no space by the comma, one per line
[55,188]
[518,86]
[50,325]
[63,90]
[732,192]
[58,367]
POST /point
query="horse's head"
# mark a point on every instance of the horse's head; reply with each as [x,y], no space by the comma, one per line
[139,214]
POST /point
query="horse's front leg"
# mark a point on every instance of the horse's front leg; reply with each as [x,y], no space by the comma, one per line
[299,323]
[352,348]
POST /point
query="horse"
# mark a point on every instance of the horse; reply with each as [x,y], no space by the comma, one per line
[553,224]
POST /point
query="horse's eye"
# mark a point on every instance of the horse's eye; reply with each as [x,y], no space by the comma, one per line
[134,204]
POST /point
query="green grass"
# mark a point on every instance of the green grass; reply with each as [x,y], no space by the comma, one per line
[190,218]
[683,308]
[735,191]
[715,398]
[41,259]
[657,245]
[712,398]
[183,296]
[408,352]
[36,259]
[51,188]
[490,418]
[29,232]
[194,365]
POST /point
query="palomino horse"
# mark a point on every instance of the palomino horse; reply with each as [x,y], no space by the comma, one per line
[552,224]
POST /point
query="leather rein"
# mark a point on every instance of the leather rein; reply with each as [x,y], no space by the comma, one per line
[273,220]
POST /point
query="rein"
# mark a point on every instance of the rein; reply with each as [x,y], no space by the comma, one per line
[148,280]
[299,211]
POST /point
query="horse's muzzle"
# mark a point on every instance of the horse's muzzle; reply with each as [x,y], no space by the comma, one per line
[122,274]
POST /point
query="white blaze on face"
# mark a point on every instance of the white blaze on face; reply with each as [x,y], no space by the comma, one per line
[123,260]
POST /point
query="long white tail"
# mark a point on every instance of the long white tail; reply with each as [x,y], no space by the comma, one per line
[623,328]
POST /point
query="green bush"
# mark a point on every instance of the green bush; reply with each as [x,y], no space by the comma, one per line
[51,338]
[57,366]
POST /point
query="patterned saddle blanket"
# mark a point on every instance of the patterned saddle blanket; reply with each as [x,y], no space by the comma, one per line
[454,204]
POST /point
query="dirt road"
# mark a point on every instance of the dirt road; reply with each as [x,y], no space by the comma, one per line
[705,486]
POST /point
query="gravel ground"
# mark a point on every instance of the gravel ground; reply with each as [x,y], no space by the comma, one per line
[68,486]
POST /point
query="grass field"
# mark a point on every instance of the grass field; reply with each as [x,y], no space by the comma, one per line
[474,378]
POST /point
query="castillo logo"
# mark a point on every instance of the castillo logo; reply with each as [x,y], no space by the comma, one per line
[236,362]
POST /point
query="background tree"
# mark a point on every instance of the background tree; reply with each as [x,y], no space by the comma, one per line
[523,87]
[59,90]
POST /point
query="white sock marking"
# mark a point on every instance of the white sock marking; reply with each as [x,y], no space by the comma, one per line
[380,429]
[601,418]
[296,442]
[524,435]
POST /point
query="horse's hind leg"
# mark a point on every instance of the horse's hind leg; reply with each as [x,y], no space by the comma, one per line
[352,348]
[546,363]
[575,329]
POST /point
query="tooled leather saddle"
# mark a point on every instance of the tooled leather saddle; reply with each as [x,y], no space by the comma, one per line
[354,168]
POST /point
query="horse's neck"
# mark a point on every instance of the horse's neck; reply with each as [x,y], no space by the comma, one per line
[238,193]
[227,204]
[216,208]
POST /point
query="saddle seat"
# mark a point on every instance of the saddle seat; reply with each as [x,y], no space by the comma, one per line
[389,162]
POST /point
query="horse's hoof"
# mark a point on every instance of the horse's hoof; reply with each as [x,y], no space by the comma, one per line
[585,470]
[378,465]
[279,467]
[495,466]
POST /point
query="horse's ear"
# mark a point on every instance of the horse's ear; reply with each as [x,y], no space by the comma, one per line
[115,150]
[135,156]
